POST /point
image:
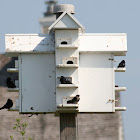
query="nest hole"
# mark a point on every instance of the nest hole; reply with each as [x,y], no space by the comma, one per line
[64,42]
[70,62]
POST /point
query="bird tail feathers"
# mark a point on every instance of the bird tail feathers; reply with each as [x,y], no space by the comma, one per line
[69,102]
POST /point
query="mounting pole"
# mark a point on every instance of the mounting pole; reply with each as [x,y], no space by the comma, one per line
[68,126]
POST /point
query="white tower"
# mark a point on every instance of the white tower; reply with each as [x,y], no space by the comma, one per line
[49,17]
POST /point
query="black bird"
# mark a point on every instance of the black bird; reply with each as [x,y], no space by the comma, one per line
[75,100]
[10,83]
[8,104]
[65,80]
[121,64]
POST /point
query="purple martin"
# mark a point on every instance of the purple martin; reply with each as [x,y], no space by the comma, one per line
[121,64]
[10,83]
[8,104]
[75,100]
[65,80]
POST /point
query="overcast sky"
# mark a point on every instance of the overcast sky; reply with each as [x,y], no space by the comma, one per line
[98,16]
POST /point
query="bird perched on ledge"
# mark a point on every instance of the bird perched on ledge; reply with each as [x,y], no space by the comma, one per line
[10,83]
[8,104]
[65,80]
[75,100]
[121,64]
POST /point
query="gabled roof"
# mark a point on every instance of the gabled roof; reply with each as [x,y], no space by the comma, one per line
[66,21]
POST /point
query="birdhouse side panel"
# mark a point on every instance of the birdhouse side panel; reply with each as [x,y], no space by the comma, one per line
[96,83]
[38,83]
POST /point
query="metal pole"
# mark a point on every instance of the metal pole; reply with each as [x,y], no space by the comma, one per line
[67,126]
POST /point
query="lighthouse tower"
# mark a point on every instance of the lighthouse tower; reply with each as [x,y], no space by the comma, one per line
[49,17]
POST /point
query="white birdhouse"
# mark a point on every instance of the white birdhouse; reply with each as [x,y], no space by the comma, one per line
[86,60]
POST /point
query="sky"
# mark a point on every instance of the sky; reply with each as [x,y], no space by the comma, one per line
[97,16]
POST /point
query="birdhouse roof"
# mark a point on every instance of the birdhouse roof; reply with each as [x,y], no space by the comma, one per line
[66,21]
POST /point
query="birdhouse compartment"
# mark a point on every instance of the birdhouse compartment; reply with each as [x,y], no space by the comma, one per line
[68,78]
[69,60]
[66,38]
[64,41]
[65,55]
